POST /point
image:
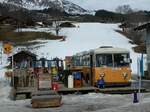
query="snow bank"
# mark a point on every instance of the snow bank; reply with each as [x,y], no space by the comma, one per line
[2,73]
[5,89]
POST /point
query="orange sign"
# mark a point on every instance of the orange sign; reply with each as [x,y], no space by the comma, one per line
[7,48]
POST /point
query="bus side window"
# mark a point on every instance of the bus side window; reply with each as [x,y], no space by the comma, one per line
[99,61]
[109,61]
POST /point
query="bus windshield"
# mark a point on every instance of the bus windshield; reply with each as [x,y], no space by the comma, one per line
[104,60]
[112,60]
[121,60]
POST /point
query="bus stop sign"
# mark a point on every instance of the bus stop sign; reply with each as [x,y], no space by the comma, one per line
[7,48]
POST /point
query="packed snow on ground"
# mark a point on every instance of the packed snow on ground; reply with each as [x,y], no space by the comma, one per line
[92,102]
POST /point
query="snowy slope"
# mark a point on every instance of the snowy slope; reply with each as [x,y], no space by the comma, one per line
[112,4]
[85,37]
[90,36]
[3,62]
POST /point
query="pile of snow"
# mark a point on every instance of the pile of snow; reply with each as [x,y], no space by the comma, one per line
[112,5]
[2,73]
[3,63]
[5,89]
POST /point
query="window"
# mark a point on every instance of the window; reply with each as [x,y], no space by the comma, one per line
[104,60]
[121,60]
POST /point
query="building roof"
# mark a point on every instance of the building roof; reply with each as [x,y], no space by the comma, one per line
[25,53]
[126,25]
[140,48]
[144,26]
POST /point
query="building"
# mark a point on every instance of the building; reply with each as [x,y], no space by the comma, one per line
[23,59]
[147,42]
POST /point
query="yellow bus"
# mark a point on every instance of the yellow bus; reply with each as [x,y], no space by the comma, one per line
[111,64]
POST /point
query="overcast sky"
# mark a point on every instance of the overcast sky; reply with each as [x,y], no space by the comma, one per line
[112,4]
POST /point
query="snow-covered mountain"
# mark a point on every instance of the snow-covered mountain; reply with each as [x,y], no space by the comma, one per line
[62,5]
[37,4]
[72,8]
[111,5]
[79,6]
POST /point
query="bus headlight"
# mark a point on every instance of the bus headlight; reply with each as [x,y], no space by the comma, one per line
[125,75]
[102,74]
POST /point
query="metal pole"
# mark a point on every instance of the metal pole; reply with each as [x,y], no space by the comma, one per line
[138,73]
[1,56]
[139,83]
[13,69]
[141,74]
[140,67]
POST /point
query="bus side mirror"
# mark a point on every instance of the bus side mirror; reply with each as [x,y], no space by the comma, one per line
[130,60]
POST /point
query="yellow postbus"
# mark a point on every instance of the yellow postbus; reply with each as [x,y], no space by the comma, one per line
[111,64]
